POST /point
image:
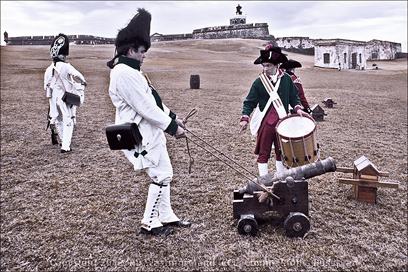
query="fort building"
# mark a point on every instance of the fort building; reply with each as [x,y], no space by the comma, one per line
[340,54]
[350,54]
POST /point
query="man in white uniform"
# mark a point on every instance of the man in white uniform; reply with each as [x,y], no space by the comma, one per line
[137,102]
[59,77]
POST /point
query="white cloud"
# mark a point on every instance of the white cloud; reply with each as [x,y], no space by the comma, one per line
[358,20]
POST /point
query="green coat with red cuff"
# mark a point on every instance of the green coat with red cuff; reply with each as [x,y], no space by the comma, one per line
[288,92]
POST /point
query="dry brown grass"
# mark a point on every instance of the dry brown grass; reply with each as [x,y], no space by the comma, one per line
[81,211]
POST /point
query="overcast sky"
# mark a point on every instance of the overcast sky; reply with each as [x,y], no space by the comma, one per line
[355,20]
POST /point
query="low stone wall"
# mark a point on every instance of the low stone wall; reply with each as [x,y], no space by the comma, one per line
[175,37]
[302,45]
[401,55]
[47,40]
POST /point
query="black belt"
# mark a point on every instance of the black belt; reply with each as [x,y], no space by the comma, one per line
[159,184]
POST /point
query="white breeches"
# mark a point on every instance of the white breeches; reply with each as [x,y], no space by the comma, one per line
[63,117]
[163,172]
[53,109]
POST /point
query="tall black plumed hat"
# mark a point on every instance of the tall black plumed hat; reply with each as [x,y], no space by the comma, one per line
[137,31]
[272,54]
[291,64]
[59,46]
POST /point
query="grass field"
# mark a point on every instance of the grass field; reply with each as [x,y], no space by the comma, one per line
[81,211]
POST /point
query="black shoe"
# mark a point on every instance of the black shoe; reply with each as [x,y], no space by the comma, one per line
[157,231]
[65,151]
[179,224]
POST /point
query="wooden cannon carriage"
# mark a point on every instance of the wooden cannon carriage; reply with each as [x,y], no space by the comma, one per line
[291,199]
[293,204]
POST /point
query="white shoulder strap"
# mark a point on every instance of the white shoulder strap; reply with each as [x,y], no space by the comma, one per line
[70,80]
[59,77]
[259,115]
[273,95]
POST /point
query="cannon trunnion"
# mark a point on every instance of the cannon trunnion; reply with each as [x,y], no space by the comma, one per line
[293,204]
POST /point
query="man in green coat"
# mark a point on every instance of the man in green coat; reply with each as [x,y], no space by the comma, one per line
[258,96]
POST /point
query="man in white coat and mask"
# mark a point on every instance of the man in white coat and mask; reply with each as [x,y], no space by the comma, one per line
[137,102]
[61,77]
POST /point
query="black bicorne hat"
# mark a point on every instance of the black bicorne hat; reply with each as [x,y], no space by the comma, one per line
[137,31]
[272,54]
[60,46]
[291,64]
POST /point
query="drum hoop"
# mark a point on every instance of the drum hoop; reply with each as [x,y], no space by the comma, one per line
[295,138]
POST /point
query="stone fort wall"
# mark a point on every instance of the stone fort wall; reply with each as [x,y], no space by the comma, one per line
[249,31]
[302,45]
[47,40]
[374,49]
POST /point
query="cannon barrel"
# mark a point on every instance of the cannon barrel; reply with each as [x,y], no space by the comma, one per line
[304,171]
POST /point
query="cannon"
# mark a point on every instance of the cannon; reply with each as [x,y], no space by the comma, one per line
[291,198]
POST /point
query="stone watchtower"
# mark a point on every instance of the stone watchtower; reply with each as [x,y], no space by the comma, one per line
[238,19]
[238,28]
[6,37]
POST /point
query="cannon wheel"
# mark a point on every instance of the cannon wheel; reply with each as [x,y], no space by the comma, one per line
[247,225]
[296,224]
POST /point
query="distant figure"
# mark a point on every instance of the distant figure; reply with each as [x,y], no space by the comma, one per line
[239,12]
[57,81]
[290,67]
[5,36]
